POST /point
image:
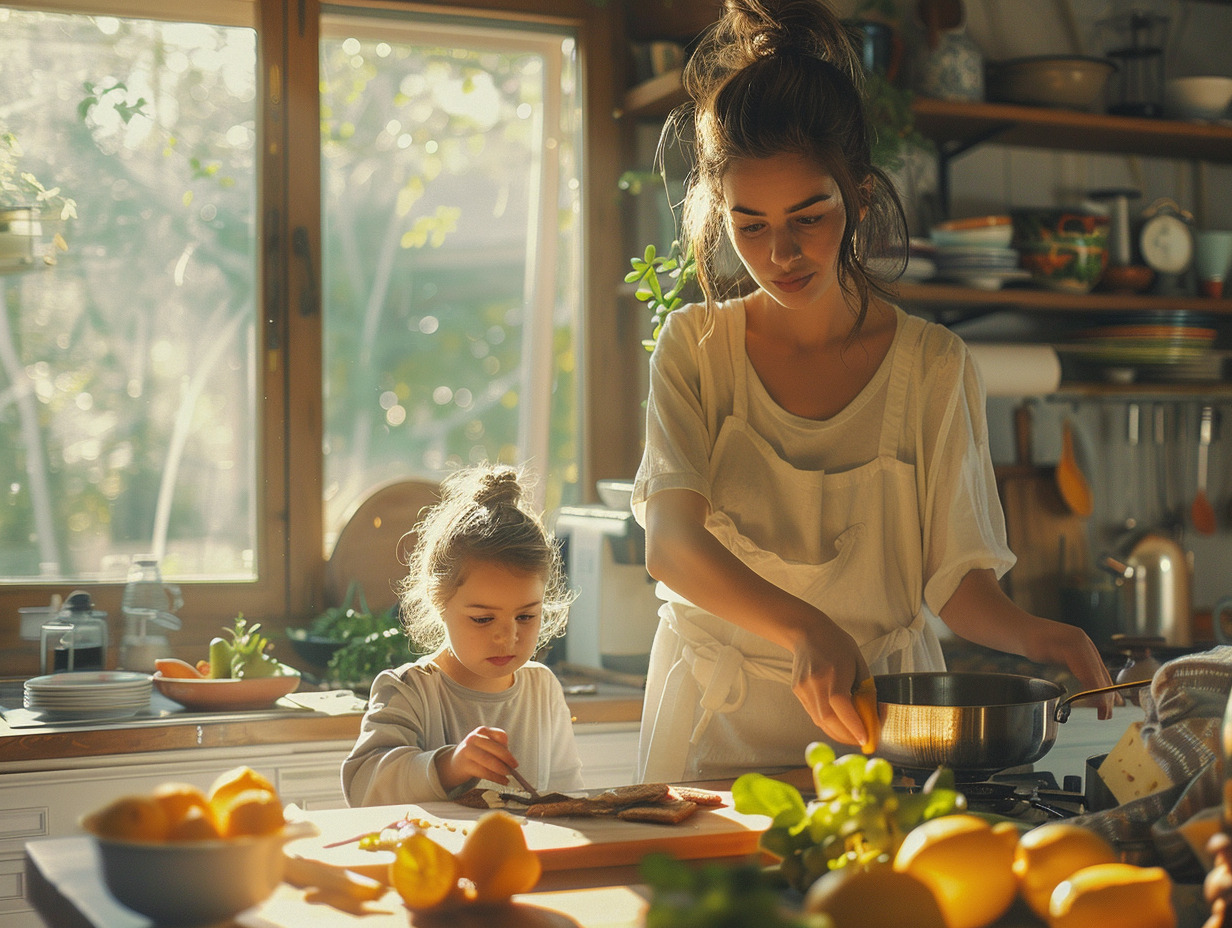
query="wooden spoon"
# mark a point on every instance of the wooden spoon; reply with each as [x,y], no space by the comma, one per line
[1070,480]
[1201,512]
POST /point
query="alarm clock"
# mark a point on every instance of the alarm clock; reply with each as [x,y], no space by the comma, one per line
[1166,243]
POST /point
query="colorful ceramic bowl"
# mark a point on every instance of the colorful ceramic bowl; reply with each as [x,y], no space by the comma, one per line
[1063,249]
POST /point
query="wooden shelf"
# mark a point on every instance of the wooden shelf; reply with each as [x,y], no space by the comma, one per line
[959,126]
[655,98]
[940,296]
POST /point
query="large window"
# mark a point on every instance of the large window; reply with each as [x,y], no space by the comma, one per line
[124,426]
[234,350]
[452,251]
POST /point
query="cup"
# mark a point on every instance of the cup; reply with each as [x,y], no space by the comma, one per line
[1212,256]
[1222,635]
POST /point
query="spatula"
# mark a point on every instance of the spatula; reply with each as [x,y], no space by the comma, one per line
[1070,480]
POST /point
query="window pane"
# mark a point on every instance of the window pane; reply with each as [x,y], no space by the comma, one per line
[127,399]
[451,257]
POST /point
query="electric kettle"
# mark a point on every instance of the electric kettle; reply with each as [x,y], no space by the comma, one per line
[1156,593]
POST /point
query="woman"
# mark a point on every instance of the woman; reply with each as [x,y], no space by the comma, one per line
[816,486]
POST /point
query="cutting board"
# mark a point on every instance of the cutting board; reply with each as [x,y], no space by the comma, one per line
[562,844]
[1038,524]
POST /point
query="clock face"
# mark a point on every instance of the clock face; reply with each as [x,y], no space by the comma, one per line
[1167,244]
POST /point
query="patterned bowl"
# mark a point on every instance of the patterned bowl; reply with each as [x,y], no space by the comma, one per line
[1062,249]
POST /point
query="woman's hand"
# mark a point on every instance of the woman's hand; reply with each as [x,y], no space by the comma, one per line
[826,666]
[980,611]
[482,755]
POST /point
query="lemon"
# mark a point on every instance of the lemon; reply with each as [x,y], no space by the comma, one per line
[1048,854]
[179,799]
[252,812]
[967,864]
[423,872]
[231,783]
[129,818]
[1113,895]
[873,898]
[496,859]
[196,824]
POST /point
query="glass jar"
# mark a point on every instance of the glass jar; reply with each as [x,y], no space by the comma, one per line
[75,638]
[149,608]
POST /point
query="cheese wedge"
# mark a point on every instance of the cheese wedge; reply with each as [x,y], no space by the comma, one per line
[1129,771]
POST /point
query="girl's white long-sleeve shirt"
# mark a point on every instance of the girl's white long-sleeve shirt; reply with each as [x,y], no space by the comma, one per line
[415,711]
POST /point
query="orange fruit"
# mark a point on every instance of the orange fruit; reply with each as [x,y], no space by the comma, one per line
[230,784]
[251,812]
[177,669]
[197,824]
[496,859]
[423,872]
[129,818]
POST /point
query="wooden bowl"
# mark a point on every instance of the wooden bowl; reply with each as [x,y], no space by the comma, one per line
[1127,278]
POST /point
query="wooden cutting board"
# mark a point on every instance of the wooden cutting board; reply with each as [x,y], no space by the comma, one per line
[562,844]
[1038,524]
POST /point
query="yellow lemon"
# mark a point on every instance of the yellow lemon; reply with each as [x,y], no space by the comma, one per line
[230,784]
[1113,895]
[196,824]
[178,799]
[873,898]
[1049,854]
[423,872]
[129,818]
[496,859]
[252,812]
[967,864]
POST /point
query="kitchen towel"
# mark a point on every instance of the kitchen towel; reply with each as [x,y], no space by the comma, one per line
[1013,369]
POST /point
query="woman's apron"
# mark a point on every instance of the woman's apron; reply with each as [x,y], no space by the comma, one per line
[718,698]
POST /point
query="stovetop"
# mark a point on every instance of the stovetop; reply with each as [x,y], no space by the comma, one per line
[1021,793]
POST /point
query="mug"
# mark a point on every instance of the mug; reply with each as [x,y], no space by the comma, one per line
[1221,635]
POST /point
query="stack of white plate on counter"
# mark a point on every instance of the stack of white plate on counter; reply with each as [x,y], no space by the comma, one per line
[89,694]
[976,251]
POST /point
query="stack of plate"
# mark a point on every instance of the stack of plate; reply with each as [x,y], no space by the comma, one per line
[985,267]
[1175,346]
[89,694]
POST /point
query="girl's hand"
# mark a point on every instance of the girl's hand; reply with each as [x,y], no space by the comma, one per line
[826,666]
[483,754]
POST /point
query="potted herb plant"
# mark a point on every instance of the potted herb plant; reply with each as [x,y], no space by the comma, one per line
[26,206]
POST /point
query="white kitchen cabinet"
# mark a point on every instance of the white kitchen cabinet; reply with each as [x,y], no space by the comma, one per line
[609,753]
[43,803]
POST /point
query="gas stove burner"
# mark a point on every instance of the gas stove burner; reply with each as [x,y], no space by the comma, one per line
[1021,793]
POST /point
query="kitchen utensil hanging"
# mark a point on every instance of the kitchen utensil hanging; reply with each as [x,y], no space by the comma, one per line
[1201,512]
[1071,481]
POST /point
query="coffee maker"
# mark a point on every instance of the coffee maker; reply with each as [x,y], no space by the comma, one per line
[613,620]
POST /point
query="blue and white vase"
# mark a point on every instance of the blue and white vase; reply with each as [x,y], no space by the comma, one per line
[954,70]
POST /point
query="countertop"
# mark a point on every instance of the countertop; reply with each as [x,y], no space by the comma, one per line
[170,727]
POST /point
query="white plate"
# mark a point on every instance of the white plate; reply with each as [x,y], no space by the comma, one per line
[91,678]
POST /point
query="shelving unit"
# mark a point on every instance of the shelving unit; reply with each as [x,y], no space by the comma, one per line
[956,128]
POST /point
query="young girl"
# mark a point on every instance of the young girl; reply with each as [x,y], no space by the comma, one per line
[816,485]
[485,591]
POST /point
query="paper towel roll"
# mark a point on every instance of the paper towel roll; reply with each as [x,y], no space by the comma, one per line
[1017,369]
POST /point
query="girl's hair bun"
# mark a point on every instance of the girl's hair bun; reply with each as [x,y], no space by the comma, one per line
[498,486]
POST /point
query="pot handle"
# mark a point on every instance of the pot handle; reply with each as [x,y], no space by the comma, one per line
[1061,714]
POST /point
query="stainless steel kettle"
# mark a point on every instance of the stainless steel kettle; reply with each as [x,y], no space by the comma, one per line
[1156,589]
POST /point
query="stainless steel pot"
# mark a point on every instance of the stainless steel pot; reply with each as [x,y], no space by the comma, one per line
[976,722]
